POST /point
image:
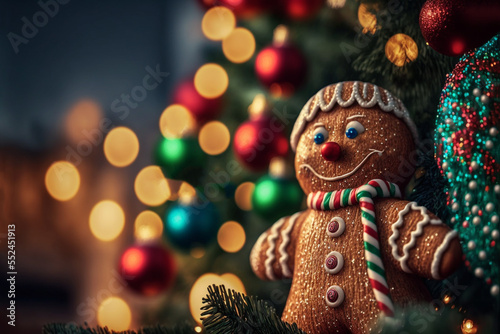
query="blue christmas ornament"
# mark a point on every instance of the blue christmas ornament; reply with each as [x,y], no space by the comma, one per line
[191,225]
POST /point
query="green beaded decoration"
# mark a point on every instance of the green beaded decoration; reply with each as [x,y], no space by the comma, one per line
[468,153]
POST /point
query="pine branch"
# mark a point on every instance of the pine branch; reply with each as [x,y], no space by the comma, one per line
[232,312]
[75,329]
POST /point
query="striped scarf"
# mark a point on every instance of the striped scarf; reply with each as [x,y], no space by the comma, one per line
[363,196]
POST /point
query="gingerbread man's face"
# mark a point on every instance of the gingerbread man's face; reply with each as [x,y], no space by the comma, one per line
[347,147]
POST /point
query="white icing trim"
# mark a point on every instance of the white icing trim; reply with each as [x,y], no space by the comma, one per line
[393,105]
[335,178]
[403,260]
[255,253]
[355,116]
[436,261]
[395,232]
[285,236]
[271,240]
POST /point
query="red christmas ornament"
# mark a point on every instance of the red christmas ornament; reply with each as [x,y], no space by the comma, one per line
[147,269]
[261,138]
[299,9]
[244,8]
[281,66]
[454,27]
[202,109]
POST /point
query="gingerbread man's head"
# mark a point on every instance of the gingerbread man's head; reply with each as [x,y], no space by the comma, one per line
[350,133]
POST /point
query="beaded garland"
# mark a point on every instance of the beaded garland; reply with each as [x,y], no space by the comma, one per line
[468,153]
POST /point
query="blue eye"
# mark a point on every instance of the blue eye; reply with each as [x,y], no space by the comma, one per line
[351,133]
[319,138]
[353,129]
[320,135]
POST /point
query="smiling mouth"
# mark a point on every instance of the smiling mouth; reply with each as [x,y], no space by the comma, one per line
[335,178]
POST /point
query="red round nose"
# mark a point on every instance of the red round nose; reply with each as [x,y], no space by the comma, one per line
[330,151]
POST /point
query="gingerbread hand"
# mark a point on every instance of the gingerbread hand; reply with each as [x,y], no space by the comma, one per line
[419,241]
[273,255]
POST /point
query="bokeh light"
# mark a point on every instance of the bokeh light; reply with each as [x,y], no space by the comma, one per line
[62,180]
[234,282]
[231,237]
[401,49]
[214,138]
[176,121]
[198,252]
[217,23]
[199,290]
[243,195]
[367,19]
[106,220]
[239,46]
[83,122]
[115,314]
[121,146]
[148,226]
[211,80]
[186,192]
[151,187]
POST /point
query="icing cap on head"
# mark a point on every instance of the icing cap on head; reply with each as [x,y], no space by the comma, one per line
[345,94]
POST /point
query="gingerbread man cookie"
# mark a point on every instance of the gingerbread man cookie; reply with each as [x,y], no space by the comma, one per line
[359,249]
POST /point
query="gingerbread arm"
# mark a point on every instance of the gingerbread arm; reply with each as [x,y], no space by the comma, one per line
[273,255]
[421,243]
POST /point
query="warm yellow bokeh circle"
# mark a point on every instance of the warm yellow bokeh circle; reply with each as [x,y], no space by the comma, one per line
[62,180]
[211,81]
[115,314]
[243,195]
[151,186]
[199,290]
[121,146]
[231,236]
[176,121]
[214,138]
[106,220]
[239,46]
[217,23]
[148,226]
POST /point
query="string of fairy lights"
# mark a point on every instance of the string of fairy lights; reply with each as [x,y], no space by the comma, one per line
[121,147]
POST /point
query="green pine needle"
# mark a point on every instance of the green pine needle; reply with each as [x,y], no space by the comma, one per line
[231,312]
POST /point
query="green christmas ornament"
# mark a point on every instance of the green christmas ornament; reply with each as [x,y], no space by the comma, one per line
[180,158]
[276,195]
[468,153]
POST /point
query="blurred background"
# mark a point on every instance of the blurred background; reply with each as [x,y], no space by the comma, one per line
[144,144]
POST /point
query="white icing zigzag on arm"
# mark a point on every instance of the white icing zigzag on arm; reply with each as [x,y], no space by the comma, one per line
[285,236]
[436,261]
[413,235]
[271,240]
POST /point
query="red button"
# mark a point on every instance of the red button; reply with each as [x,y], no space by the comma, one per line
[333,226]
[334,262]
[331,262]
[332,295]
